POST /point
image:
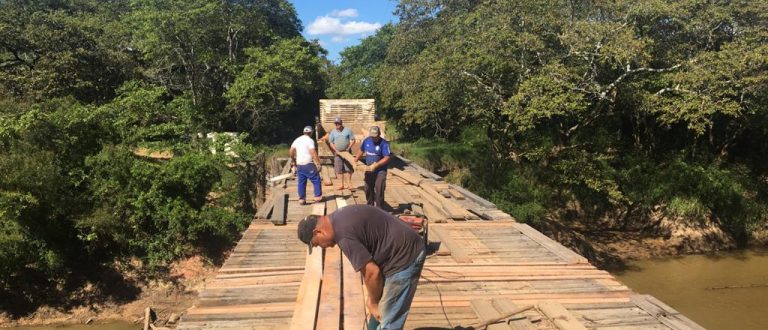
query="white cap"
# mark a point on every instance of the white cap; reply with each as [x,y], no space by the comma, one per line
[307,129]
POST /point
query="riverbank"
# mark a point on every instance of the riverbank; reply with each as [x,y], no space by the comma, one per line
[169,298]
[613,248]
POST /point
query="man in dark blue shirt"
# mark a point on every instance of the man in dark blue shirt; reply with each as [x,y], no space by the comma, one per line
[376,152]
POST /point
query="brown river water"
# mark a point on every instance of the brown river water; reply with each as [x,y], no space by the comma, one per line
[723,291]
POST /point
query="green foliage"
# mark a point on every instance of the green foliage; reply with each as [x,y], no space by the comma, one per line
[356,76]
[269,81]
[156,211]
[601,108]
[87,86]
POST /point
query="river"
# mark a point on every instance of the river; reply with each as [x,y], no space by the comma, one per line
[722,291]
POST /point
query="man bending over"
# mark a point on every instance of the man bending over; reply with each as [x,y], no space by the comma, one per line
[387,251]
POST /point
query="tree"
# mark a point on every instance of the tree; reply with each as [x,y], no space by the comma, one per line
[584,91]
[357,73]
[270,81]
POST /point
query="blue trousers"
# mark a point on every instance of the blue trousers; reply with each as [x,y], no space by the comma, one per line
[310,172]
[399,290]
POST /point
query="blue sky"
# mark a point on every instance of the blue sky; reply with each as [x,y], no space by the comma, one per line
[343,23]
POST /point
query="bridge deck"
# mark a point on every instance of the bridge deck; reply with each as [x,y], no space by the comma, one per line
[481,265]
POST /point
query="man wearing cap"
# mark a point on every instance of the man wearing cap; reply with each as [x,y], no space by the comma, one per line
[389,254]
[341,140]
[376,151]
[303,153]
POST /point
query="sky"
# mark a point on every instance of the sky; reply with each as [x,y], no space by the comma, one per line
[342,23]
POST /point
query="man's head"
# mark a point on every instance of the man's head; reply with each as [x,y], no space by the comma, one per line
[338,122]
[375,133]
[316,231]
[307,130]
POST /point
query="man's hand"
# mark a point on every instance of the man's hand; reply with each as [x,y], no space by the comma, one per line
[370,168]
[374,310]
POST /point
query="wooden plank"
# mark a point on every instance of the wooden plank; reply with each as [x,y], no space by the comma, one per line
[236,309]
[554,247]
[458,252]
[452,209]
[410,178]
[325,177]
[422,171]
[353,302]
[265,209]
[486,311]
[442,249]
[560,316]
[305,311]
[506,306]
[280,211]
[475,198]
[455,194]
[433,213]
[664,313]
[329,313]
[349,158]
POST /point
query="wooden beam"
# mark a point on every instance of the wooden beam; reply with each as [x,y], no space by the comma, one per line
[280,203]
[330,313]
[353,303]
[324,176]
[561,317]
[305,311]
[265,209]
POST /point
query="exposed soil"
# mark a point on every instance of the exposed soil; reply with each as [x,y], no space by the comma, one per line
[610,248]
[173,295]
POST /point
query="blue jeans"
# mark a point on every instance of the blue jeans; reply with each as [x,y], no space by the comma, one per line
[310,172]
[396,299]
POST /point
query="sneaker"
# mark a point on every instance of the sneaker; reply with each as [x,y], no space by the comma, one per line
[302,202]
[318,199]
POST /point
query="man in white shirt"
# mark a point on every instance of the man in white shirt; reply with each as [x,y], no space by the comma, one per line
[303,153]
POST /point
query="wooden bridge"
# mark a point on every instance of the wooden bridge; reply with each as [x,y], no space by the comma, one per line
[481,265]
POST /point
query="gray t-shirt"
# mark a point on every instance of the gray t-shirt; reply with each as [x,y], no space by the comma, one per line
[341,139]
[364,232]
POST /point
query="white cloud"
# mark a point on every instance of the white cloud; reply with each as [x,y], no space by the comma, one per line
[334,26]
[339,39]
[349,12]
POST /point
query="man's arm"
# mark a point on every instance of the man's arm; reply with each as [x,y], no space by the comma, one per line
[351,141]
[313,152]
[380,163]
[374,282]
[358,156]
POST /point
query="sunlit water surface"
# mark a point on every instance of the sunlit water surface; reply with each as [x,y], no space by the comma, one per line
[723,291]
